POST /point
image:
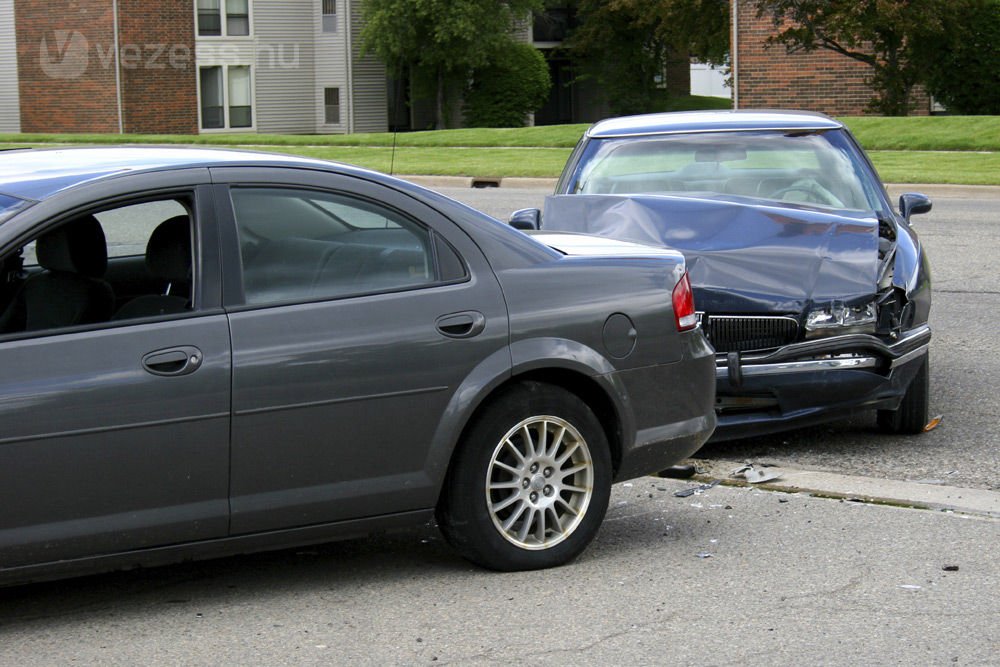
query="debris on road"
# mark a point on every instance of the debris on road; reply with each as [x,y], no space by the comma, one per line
[933,423]
[950,568]
[754,475]
[679,472]
[684,493]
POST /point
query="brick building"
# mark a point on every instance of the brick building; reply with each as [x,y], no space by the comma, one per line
[187,66]
[773,78]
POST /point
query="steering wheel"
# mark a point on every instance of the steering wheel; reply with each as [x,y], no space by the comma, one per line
[815,193]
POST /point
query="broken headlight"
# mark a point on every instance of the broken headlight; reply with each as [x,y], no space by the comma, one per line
[837,318]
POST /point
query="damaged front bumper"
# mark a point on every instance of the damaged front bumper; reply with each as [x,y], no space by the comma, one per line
[814,381]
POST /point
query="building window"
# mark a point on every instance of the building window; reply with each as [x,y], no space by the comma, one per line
[240,107]
[331,102]
[226,97]
[329,15]
[212,107]
[209,18]
[214,15]
[237,17]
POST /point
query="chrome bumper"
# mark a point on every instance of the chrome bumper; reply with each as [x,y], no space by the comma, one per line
[850,352]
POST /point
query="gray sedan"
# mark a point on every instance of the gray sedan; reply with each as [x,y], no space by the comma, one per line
[214,352]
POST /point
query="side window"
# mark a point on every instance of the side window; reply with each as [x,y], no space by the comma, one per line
[102,266]
[306,245]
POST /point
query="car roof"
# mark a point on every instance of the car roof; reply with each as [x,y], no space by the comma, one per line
[39,173]
[711,121]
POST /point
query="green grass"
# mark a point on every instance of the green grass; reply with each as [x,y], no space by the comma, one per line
[903,149]
[959,168]
[482,162]
[550,136]
[927,133]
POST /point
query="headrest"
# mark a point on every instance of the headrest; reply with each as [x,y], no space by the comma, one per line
[168,253]
[78,246]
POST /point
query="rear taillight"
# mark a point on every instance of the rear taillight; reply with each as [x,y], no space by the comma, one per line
[683,299]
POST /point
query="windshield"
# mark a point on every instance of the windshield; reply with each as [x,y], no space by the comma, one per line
[818,168]
[11,205]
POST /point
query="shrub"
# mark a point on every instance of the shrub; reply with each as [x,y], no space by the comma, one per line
[503,93]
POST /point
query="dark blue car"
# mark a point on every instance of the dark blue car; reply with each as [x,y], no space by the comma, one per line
[815,290]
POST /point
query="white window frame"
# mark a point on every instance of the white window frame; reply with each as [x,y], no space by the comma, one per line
[225,27]
[225,101]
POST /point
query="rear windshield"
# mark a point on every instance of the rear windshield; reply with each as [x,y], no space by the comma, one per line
[816,168]
[11,205]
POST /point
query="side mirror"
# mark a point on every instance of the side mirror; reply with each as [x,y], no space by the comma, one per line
[912,203]
[526,219]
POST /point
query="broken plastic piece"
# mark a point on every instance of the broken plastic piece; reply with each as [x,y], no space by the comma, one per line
[679,472]
[755,475]
[933,423]
[684,493]
[950,568]
[703,554]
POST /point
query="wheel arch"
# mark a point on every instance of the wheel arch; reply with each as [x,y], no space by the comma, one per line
[593,383]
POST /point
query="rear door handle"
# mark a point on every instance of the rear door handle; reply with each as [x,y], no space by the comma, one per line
[466,324]
[180,360]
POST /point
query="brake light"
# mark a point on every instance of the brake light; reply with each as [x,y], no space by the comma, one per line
[683,300]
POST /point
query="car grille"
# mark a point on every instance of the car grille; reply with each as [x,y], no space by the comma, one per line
[736,333]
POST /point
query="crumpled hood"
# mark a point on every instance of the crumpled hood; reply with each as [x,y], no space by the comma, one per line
[743,255]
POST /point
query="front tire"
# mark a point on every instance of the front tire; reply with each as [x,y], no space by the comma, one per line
[913,412]
[530,482]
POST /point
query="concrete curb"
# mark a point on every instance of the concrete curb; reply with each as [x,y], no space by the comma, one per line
[978,502]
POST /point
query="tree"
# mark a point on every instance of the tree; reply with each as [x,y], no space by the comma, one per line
[627,45]
[961,62]
[883,34]
[505,91]
[445,38]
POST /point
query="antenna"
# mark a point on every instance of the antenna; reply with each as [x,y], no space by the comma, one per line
[397,94]
[392,158]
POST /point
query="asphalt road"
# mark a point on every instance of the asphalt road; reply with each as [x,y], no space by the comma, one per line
[962,236]
[729,577]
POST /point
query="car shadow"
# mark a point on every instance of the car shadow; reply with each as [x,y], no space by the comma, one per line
[341,571]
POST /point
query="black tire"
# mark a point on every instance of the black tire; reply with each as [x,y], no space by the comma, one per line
[554,499]
[914,410]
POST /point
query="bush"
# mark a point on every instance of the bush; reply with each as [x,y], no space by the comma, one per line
[503,93]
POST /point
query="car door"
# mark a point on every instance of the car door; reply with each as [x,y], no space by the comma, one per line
[359,314]
[115,430]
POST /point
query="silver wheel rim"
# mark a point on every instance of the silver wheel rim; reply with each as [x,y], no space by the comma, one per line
[539,482]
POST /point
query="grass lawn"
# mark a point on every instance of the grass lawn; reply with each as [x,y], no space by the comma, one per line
[936,149]
[958,168]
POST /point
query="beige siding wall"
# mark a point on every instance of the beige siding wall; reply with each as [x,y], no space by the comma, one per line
[285,65]
[331,67]
[369,110]
[10,109]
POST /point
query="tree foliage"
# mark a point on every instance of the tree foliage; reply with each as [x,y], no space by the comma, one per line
[626,45]
[446,38]
[505,91]
[886,35]
[961,62]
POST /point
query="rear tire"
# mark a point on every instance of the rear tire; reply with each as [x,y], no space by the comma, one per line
[530,482]
[914,410]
